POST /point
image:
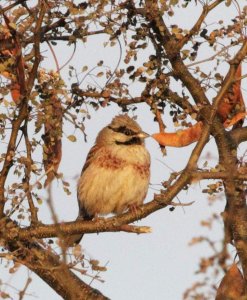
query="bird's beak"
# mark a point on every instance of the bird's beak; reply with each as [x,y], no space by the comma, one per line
[143,135]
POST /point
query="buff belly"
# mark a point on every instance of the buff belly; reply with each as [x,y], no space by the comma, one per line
[103,190]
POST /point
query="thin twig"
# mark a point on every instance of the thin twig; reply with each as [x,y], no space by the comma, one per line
[135,229]
[54,56]
[3,10]
[182,204]
[33,72]
[195,29]
[56,221]
[23,291]
[28,169]
[213,56]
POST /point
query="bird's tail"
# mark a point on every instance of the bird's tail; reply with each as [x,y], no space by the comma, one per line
[75,239]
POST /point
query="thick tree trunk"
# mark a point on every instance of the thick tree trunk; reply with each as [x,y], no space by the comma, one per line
[54,272]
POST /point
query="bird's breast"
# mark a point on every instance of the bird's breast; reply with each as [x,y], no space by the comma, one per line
[114,181]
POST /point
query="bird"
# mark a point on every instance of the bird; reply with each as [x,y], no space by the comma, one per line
[116,173]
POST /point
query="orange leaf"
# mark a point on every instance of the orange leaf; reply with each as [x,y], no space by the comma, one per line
[17,76]
[232,285]
[231,104]
[180,138]
[15,92]
[235,119]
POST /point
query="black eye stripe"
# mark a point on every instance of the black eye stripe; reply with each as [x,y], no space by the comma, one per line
[132,141]
[123,129]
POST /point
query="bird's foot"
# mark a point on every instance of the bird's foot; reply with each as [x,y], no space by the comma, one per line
[136,210]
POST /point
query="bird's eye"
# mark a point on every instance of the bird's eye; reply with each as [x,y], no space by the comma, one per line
[128,131]
[122,129]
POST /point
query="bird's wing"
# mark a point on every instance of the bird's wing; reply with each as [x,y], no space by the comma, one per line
[90,156]
[82,211]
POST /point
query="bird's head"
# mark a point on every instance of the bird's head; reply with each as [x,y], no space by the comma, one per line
[122,130]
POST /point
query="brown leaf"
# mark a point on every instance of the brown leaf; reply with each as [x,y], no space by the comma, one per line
[232,104]
[18,82]
[106,94]
[235,119]
[72,138]
[232,285]
[52,149]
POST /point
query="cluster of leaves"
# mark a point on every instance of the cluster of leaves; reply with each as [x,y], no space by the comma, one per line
[154,57]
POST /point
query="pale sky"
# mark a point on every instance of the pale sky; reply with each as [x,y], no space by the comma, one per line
[159,265]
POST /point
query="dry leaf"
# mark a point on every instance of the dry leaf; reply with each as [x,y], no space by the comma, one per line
[235,119]
[180,138]
[232,285]
[106,93]
[16,73]
[100,74]
[72,138]
[52,149]
[231,104]
[85,68]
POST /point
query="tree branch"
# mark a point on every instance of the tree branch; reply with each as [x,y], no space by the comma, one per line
[33,72]
[115,223]
[197,26]
[239,175]
[4,9]
[58,276]
[33,209]
[170,45]
[10,153]
[239,135]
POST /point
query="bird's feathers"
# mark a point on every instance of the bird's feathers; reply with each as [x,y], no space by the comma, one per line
[116,173]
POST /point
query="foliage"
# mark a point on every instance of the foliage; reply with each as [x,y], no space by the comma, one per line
[160,66]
